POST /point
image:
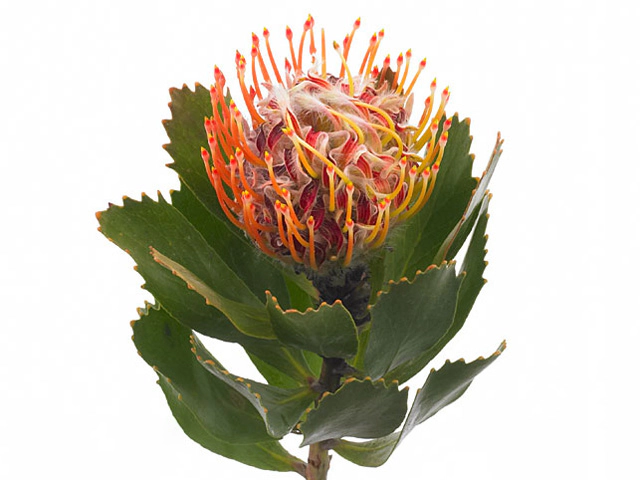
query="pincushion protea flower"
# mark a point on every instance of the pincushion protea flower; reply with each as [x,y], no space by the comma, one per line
[326,164]
[317,175]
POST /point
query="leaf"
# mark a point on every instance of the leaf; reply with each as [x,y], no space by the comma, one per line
[359,408]
[165,345]
[138,225]
[280,408]
[410,318]
[413,246]
[267,455]
[442,387]
[328,330]
[134,227]
[456,238]
[250,320]
[472,282]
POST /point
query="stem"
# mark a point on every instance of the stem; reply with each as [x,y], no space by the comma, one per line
[318,463]
[351,286]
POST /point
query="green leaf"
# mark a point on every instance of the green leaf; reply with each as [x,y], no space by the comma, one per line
[472,282]
[414,245]
[269,455]
[457,237]
[249,319]
[359,408]
[411,318]
[165,345]
[280,408]
[138,225]
[328,330]
[134,227]
[442,387]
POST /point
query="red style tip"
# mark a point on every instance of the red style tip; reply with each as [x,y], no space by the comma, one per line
[356,24]
[423,63]
[265,32]
[289,33]
[381,34]
[387,61]
[409,54]
[400,59]
[308,23]
[254,50]
[374,39]
[254,39]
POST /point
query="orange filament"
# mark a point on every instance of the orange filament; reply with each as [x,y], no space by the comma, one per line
[223,200]
[254,75]
[312,249]
[374,51]
[421,67]
[385,227]
[396,191]
[324,55]
[428,157]
[418,203]
[381,208]
[324,159]
[347,257]
[292,247]
[291,228]
[243,178]
[385,67]
[289,34]
[279,207]
[291,212]
[346,68]
[372,42]
[301,156]
[307,26]
[406,71]
[413,171]
[257,119]
[265,34]
[263,67]
[347,47]
[332,188]
[399,62]
[432,181]
[233,166]
[269,161]
[350,190]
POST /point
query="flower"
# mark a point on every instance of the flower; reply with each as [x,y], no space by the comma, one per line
[326,164]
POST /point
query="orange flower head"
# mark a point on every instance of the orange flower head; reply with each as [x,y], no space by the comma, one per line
[327,163]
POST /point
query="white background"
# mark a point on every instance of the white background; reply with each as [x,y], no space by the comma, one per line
[83,91]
